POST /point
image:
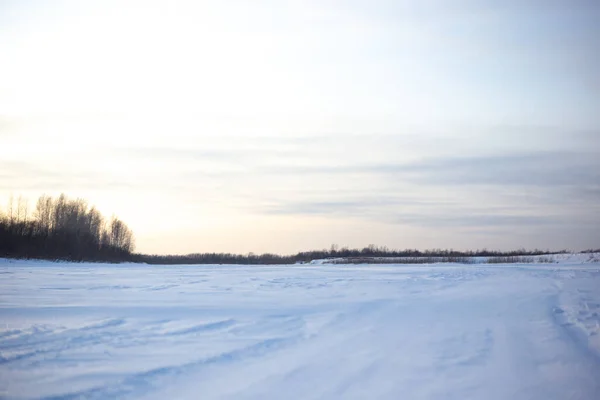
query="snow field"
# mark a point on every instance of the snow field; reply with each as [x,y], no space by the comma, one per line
[70,331]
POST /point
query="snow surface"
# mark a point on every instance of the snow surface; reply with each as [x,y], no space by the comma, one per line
[569,258]
[70,331]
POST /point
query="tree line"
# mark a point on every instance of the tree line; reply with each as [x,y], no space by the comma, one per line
[70,229]
[62,228]
[370,253]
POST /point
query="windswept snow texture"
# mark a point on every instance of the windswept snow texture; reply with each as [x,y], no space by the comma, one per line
[93,331]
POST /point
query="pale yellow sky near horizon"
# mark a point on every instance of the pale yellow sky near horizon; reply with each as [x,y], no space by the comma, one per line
[280,126]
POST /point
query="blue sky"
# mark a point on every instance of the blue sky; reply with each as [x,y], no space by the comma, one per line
[285,125]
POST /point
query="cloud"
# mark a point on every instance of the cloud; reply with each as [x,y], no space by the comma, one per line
[528,169]
[422,213]
[17,176]
[175,154]
[358,206]
[523,169]
[525,189]
[464,219]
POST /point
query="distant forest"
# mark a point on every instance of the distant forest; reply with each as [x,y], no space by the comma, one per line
[69,229]
[372,251]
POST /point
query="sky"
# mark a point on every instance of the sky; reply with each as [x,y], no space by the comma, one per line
[280,126]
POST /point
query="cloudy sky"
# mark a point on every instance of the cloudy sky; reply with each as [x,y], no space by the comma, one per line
[273,125]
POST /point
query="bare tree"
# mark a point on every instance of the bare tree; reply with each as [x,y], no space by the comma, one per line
[59,213]
[11,212]
[96,223]
[22,209]
[120,235]
[43,214]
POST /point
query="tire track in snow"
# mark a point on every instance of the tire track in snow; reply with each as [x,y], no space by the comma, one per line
[55,342]
[141,383]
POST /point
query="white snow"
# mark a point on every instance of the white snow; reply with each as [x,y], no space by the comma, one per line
[568,258]
[515,331]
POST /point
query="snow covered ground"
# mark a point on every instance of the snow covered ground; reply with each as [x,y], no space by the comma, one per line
[562,258]
[70,331]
